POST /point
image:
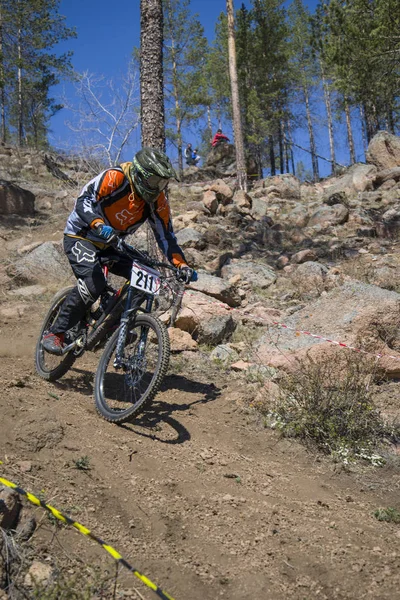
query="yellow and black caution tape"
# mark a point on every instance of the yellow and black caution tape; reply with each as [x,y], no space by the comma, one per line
[85,531]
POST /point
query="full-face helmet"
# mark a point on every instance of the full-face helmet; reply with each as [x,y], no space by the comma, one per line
[150,171]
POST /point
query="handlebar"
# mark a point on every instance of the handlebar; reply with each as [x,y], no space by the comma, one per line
[141,256]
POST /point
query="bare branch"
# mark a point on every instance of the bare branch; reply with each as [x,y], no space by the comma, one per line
[105,115]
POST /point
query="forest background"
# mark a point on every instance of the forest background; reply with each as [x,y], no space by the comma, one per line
[316,80]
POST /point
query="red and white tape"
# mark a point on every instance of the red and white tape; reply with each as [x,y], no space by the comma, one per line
[313,335]
[319,337]
[341,344]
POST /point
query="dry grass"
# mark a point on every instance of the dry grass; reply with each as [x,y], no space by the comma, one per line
[330,407]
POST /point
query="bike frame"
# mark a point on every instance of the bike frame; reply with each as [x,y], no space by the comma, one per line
[132,300]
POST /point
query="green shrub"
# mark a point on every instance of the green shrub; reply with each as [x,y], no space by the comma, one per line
[329,404]
[390,515]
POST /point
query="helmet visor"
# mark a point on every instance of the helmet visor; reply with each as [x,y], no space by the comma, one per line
[155,182]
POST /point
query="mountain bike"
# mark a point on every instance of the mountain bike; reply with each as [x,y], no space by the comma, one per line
[136,355]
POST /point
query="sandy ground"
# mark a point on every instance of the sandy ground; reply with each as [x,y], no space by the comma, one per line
[196,494]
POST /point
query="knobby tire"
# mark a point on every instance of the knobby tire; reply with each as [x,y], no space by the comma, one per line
[156,327]
[69,359]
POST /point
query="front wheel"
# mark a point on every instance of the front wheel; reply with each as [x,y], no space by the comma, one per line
[120,394]
[49,366]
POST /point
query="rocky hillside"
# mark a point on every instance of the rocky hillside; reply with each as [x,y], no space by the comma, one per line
[304,255]
[202,493]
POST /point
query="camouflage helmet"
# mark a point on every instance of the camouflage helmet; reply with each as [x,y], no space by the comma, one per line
[150,171]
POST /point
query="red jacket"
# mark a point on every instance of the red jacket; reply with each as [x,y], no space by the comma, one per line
[219,137]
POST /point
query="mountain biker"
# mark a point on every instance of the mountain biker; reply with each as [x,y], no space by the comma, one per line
[219,138]
[115,202]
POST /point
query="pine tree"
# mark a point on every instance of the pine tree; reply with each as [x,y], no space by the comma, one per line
[30,30]
[304,69]
[318,41]
[217,74]
[363,48]
[185,56]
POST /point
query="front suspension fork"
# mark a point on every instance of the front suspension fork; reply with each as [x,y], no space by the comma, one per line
[131,307]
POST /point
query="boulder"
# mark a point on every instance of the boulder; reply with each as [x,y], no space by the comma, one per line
[199,174]
[384,150]
[39,574]
[242,200]
[186,219]
[223,191]
[387,176]
[303,256]
[14,200]
[224,354]
[181,341]
[358,314]
[308,278]
[282,186]
[223,158]
[297,217]
[256,275]
[217,288]
[217,235]
[208,321]
[10,506]
[210,201]
[259,207]
[190,238]
[46,263]
[326,216]
[357,178]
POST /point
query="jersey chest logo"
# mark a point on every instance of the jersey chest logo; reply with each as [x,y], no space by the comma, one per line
[124,217]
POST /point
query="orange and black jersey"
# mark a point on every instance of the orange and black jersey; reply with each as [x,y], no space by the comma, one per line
[108,198]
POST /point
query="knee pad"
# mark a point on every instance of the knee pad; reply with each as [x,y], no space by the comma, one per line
[84,292]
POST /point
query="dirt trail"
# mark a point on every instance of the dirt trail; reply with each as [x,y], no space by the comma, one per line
[197,494]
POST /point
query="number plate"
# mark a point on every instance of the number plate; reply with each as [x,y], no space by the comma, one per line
[145,279]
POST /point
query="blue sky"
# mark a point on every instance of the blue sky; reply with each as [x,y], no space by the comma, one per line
[106,37]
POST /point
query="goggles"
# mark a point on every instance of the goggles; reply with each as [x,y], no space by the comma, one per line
[155,182]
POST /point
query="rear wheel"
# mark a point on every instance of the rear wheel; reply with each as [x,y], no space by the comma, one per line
[49,366]
[120,394]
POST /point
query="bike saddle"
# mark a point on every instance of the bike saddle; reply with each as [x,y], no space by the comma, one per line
[110,258]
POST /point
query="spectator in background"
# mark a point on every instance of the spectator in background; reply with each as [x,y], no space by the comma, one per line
[195,157]
[219,138]
[188,155]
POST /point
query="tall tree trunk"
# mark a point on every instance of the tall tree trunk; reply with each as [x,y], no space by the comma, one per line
[390,119]
[313,149]
[20,99]
[151,74]
[178,120]
[237,124]
[368,123]
[291,147]
[327,97]
[209,124]
[272,154]
[280,142]
[350,138]
[285,146]
[2,83]
[363,129]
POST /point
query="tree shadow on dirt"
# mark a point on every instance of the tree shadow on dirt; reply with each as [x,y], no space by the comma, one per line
[160,413]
